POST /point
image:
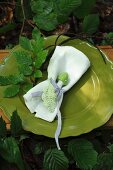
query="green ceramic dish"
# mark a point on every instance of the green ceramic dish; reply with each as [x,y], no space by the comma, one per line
[88,105]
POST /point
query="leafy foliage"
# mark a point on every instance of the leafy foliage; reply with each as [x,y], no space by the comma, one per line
[22,57]
[11,79]
[12,91]
[2,128]
[79,150]
[108,39]
[49,13]
[38,74]
[85,8]
[25,69]
[55,159]
[27,86]
[9,150]
[16,124]
[83,153]
[25,43]
[41,147]
[41,57]
[90,23]
[110,147]
[105,162]
[30,59]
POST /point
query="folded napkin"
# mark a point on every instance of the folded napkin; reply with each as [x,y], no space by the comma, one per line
[46,97]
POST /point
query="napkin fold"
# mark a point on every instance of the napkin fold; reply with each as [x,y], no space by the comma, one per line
[64,59]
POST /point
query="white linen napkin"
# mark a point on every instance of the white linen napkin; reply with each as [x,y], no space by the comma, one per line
[64,59]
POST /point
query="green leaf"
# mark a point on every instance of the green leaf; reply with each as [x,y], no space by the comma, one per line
[23,58]
[18,78]
[83,153]
[45,16]
[40,148]
[19,13]
[25,69]
[38,74]
[85,8]
[46,22]
[38,44]
[66,6]
[3,130]
[49,14]
[55,159]
[4,80]
[11,79]
[11,91]
[41,57]
[91,23]
[108,39]
[105,162]
[25,43]
[23,136]
[9,150]
[16,124]
[42,6]
[110,147]
[8,27]
[27,86]
[36,34]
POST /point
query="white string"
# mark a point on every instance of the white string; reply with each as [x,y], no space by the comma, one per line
[58,130]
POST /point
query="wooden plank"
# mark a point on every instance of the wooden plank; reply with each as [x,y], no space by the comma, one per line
[3,54]
[108,50]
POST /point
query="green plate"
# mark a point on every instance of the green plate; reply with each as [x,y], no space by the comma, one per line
[88,105]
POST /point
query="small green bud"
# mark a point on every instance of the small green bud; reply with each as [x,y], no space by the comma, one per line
[64,78]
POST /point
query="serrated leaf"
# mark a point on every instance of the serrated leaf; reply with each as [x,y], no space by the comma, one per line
[105,162]
[41,57]
[23,136]
[46,22]
[27,87]
[55,159]
[85,8]
[36,34]
[25,43]
[83,153]
[25,69]
[110,147]
[9,150]
[18,78]
[37,44]
[3,130]
[23,57]
[46,17]
[16,124]
[42,6]
[38,74]
[4,80]
[11,79]
[11,91]
[66,6]
[90,23]
[40,148]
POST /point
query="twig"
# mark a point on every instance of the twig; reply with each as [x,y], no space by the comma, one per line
[9,3]
[24,18]
[30,23]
